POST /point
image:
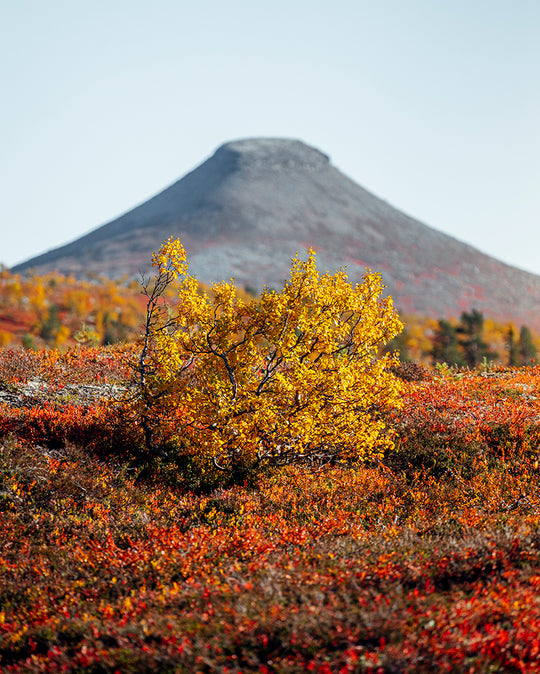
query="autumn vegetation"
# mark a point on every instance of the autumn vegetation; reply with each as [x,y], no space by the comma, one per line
[290,377]
[56,311]
[124,549]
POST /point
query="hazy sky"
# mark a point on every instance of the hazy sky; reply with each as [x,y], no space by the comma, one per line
[434,105]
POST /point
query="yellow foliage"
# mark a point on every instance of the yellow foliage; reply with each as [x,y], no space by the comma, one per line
[62,335]
[290,377]
[5,338]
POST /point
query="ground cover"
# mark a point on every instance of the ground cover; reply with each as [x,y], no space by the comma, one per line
[425,561]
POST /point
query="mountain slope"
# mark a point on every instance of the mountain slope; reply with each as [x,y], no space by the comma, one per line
[244,213]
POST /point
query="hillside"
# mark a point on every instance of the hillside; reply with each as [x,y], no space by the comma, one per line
[245,211]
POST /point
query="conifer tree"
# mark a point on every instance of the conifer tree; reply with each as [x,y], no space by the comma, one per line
[512,346]
[471,329]
[446,346]
[527,349]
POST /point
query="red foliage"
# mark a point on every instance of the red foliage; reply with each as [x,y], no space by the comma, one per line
[429,561]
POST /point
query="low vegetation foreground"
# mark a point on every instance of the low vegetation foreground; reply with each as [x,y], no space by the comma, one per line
[152,526]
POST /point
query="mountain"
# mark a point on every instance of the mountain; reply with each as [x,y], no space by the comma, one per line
[250,207]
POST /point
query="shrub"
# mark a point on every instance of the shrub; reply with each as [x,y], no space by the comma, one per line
[411,371]
[290,377]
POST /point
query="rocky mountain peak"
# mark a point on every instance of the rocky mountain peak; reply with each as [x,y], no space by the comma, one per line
[256,202]
[274,154]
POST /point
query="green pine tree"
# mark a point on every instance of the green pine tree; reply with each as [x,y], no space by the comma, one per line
[526,348]
[471,330]
[446,346]
[512,347]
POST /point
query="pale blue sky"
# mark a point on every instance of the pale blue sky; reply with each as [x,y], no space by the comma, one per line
[433,105]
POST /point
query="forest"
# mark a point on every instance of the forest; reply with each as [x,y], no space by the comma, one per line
[56,311]
[405,539]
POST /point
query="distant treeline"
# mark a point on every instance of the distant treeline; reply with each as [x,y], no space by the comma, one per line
[466,342]
[59,311]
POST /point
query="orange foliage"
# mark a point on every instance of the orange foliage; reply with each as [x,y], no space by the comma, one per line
[51,309]
[426,561]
